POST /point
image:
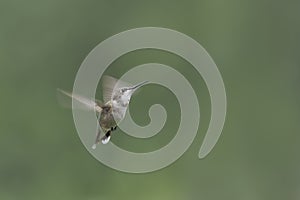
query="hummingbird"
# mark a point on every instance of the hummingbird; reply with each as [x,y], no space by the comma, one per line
[116,95]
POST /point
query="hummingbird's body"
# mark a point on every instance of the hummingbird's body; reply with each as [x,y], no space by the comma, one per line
[117,97]
[107,120]
[114,110]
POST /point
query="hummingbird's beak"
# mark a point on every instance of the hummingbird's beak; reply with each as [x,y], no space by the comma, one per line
[134,88]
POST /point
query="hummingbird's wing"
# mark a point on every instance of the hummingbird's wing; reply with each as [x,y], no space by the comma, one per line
[109,84]
[98,132]
[85,103]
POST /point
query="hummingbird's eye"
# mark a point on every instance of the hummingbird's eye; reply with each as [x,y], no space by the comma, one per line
[123,90]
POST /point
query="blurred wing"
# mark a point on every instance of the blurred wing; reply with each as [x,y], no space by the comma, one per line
[84,103]
[109,84]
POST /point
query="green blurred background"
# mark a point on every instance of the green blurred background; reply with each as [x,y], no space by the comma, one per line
[256,46]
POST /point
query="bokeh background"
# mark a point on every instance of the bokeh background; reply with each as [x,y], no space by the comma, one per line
[256,46]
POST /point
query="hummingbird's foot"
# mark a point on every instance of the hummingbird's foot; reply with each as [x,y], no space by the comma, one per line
[113,128]
[105,139]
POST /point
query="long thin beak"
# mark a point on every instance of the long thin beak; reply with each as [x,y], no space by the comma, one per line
[135,87]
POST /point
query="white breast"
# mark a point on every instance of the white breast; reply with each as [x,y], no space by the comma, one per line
[118,111]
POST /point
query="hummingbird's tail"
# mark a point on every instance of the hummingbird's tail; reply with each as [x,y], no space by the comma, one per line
[105,139]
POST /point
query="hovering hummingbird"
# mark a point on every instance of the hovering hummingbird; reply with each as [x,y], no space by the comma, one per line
[116,95]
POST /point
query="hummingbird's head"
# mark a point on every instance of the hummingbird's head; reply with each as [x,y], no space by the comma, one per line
[124,94]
